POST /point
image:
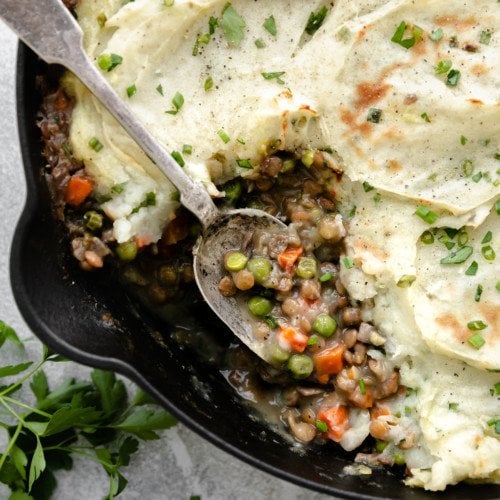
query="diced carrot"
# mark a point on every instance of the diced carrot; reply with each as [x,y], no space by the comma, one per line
[329,362]
[143,241]
[293,338]
[288,258]
[337,420]
[78,189]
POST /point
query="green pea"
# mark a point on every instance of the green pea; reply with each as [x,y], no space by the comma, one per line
[260,268]
[380,445]
[308,157]
[278,354]
[325,325]
[300,365]
[236,261]
[127,251]
[93,220]
[307,268]
[288,165]
[399,459]
[260,306]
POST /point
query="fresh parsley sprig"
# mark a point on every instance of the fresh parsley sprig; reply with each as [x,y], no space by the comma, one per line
[89,418]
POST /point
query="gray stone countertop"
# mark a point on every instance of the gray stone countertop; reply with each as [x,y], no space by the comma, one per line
[180,464]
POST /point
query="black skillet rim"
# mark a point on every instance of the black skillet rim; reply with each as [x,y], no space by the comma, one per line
[51,339]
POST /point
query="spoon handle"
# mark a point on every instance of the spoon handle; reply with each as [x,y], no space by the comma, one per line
[48,28]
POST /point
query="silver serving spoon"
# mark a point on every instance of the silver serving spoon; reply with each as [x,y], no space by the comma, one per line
[48,28]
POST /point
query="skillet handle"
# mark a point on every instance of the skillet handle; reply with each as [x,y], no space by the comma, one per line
[48,28]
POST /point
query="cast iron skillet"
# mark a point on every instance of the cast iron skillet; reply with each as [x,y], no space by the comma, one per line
[88,318]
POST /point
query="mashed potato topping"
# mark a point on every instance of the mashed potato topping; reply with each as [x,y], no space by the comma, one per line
[406,95]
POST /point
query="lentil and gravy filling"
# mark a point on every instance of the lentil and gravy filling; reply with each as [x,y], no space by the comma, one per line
[330,376]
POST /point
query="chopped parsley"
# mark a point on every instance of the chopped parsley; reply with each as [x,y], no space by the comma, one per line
[472,269]
[458,257]
[427,238]
[119,188]
[315,20]
[276,75]
[453,78]
[321,426]
[96,144]
[374,115]
[348,263]
[488,252]
[436,35]
[443,67]
[425,117]
[426,214]
[485,37]
[362,386]
[452,406]
[187,149]
[476,325]
[477,177]
[407,43]
[476,340]
[479,292]
[271,322]
[209,83]
[159,89]
[149,201]
[108,62]
[178,158]
[326,277]
[131,90]
[259,43]
[468,167]
[270,25]
[495,422]
[463,140]
[223,135]
[487,237]
[377,197]
[367,187]
[244,163]
[406,280]
[178,102]
[233,25]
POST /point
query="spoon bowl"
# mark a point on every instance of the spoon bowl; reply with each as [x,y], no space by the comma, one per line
[224,234]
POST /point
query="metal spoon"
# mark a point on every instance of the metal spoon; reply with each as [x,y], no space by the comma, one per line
[48,28]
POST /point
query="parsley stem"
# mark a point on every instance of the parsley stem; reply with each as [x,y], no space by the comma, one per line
[12,442]
[23,379]
[26,407]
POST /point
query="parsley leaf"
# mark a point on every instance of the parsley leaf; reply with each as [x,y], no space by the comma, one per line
[233,25]
[270,25]
[315,20]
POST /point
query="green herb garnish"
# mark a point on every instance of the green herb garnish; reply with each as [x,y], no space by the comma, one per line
[79,418]
[178,102]
[453,78]
[96,144]
[315,20]
[233,25]
[426,214]
[270,25]
[407,43]
[459,256]
[275,75]
[476,340]
[131,90]
[178,158]
[108,62]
